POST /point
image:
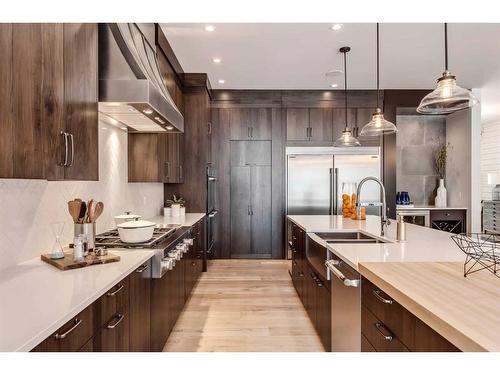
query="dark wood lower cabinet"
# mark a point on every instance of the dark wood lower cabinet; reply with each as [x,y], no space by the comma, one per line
[140,308]
[387,326]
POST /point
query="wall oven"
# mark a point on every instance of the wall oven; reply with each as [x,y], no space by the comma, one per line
[211,212]
[211,188]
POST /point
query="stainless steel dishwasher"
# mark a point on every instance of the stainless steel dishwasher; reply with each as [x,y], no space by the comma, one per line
[346,305]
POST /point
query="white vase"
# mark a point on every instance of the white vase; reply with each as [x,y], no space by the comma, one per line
[183,211]
[441,198]
[176,210]
[167,211]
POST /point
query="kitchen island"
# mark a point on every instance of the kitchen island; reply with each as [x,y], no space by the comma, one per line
[424,275]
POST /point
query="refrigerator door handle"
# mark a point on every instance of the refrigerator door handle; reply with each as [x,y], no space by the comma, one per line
[333,190]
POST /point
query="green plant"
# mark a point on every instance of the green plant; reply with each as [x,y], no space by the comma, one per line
[440,161]
[176,200]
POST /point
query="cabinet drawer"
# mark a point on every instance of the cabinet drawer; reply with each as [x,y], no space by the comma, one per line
[395,317]
[378,334]
[71,336]
[366,346]
[447,215]
[113,302]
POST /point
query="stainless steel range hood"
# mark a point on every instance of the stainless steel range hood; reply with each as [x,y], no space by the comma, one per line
[131,88]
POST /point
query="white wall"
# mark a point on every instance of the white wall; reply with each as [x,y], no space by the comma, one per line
[27,207]
[490,155]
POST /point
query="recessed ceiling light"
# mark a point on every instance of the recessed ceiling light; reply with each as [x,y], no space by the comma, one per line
[333,85]
[169,127]
[123,128]
[216,60]
[334,73]
[209,28]
[147,111]
[336,27]
[221,81]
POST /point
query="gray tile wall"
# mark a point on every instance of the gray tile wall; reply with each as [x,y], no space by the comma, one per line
[417,141]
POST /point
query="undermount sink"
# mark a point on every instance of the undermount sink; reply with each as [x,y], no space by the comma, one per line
[349,237]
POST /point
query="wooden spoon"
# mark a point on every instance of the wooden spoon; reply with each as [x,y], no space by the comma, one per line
[83,211]
[90,211]
[74,210]
[99,208]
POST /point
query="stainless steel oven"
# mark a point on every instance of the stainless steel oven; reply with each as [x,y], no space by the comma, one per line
[415,216]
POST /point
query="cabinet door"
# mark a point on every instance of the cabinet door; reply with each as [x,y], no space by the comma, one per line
[321,124]
[144,161]
[297,124]
[140,308]
[37,95]
[162,310]
[310,294]
[261,211]
[240,212]
[6,120]
[173,158]
[250,153]
[323,315]
[80,99]
[261,124]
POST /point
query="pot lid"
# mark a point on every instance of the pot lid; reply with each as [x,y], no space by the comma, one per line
[136,224]
[128,215]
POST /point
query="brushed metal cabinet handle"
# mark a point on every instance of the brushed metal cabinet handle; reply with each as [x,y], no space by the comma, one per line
[167,170]
[142,268]
[72,150]
[120,318]
[180,172]
[60,336]
[64,163]
[377,293]
[384,331]
[310,132]
[111,294]
[251,132]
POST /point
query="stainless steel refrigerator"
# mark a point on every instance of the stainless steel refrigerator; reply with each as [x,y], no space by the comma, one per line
[315,177]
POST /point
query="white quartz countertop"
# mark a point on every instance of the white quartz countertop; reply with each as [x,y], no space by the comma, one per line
[423,244]
[187,220]
[37,298]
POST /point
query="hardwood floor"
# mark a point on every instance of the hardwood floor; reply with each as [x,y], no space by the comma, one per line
[244,305]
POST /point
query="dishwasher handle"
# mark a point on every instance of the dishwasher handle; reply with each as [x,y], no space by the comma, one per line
[331,266]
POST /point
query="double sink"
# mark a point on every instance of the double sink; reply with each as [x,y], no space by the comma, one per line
[349,237]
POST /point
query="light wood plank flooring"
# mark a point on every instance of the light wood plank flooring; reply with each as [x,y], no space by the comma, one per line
[244,306]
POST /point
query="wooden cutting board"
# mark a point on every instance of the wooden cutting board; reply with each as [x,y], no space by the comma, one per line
[67,263]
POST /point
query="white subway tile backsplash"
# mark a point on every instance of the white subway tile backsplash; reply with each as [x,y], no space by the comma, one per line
[28,207]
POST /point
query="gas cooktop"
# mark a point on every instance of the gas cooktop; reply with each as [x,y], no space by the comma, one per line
[112,238]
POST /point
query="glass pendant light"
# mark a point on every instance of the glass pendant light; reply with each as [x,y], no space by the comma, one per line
[378,125]
[448,97]
[346,139]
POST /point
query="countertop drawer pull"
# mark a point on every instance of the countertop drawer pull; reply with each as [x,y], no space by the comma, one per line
[142,268]
[111,294]
[377,293]
[120,318]
[60,336]
[382,329]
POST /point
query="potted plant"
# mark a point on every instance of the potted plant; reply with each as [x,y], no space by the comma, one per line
[177,206]
[440,166]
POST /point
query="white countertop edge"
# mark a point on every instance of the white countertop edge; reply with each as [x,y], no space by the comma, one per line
[41,336]
[430,208]
[187,220]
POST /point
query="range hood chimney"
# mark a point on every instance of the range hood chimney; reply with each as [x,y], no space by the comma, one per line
[131,88]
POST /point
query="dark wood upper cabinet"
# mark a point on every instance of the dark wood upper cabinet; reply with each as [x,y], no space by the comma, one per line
[155,157]
[320,124]
[49,101]
[297,124]
[251,124]
[80,100]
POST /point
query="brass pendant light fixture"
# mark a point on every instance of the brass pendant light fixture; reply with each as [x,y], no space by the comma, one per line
[448,97]
[346,139]
[378,125]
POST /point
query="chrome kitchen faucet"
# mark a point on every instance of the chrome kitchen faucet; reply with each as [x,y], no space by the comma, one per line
[384,221]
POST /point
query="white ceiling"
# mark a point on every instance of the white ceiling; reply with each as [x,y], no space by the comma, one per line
[297,56]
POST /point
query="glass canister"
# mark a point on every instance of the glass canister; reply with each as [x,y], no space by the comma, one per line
[349,199]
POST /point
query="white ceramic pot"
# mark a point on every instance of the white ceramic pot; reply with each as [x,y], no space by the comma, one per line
[126,217]
[136,231]
[167,211]
[183,211]
[176,210]
[441,196]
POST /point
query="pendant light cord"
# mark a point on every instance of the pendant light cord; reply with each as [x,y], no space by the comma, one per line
[445,46]
[378,69]
[345,87]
